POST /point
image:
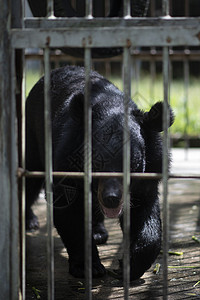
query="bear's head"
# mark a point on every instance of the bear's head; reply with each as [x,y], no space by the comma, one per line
[108,152]
[107,147]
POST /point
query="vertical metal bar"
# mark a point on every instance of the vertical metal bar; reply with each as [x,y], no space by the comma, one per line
[152,61]
[88,9]
[127,9]
[17,21]
[14,220]
[88,176]
[48,173]
[7,166]
[152,8]
[17,11]
[165,171]
[137,65]
[186,90]
[165,7]
[152,78]
[50,8]
[22,12]
[23,209]
[126,174]
[187,8]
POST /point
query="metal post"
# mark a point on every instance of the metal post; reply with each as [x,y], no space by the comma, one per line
[187,8]
[186,90]
[50,8]
[165,7]
[14,233]
[152,61]
[88,176]
[48,173]
[23,195]
[88,9]
[9,233]
[17,21]
[152,78]
[137,65]
[126,174]
[165,171]
[127,9]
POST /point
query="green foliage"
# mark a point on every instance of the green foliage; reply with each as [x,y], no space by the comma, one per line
[145,92]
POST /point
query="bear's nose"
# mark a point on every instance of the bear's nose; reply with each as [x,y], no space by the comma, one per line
[111,201]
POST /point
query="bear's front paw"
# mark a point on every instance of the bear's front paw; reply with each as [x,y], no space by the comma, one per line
[77,270]
[100,234]
[138,267]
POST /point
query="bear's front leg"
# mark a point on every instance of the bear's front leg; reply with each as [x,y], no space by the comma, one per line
[69,223]
[145,239]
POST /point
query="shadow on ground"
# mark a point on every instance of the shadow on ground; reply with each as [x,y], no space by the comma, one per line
[183,270]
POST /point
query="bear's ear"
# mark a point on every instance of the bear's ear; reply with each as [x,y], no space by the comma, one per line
[154,118]
[76,107]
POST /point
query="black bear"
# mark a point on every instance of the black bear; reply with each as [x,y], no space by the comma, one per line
[67,102]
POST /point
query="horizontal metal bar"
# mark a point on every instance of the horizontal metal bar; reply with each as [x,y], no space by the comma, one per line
[26,173]
[111,22]
[155,55]
[179,32]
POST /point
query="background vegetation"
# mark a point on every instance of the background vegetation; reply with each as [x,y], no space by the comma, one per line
[144,93]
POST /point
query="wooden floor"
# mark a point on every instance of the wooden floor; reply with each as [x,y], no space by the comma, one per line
[184,270]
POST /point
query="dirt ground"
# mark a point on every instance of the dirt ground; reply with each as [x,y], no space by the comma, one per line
[184,270]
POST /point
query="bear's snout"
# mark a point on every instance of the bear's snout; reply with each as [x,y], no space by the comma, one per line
[110,197]
[111,200]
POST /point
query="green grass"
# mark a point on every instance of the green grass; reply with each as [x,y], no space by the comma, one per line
[144,93]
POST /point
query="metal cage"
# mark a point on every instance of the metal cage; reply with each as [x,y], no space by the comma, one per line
[19,33]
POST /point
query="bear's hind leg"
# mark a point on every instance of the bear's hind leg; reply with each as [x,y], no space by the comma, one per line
[145,239]
[69,222]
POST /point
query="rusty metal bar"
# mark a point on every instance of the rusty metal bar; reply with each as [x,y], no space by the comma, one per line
[153,32]
[48,173]
[88,176]
[165,171]
[23,196]
[126,173]
[83,23]
[153,55]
